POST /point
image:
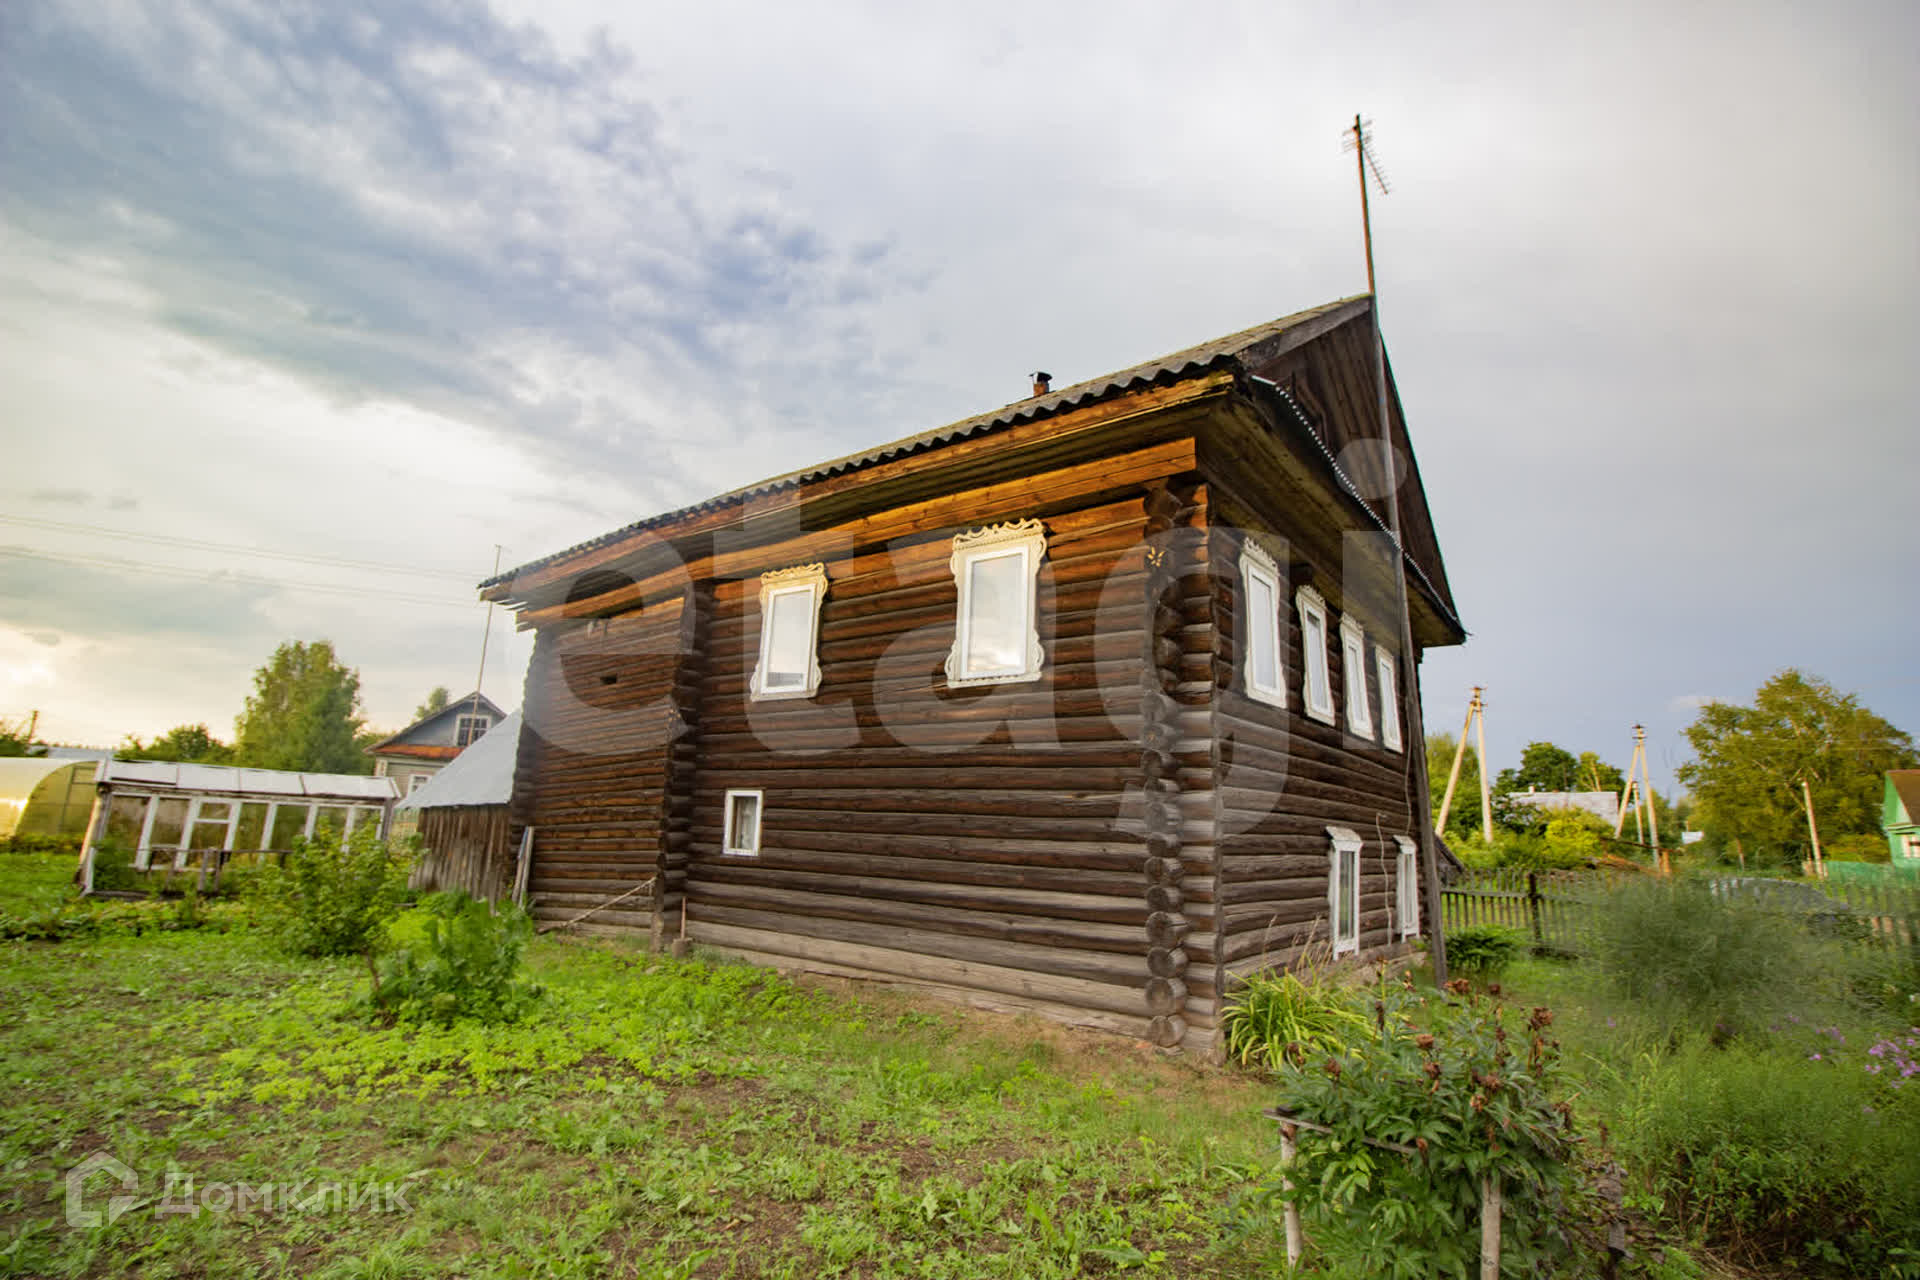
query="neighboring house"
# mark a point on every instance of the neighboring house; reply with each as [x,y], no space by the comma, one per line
[1083,706]
[425,747]
[1604,805]
[460,815]
[1900,816]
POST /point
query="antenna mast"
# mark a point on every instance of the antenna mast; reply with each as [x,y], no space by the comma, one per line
[1359,140]
[473,708]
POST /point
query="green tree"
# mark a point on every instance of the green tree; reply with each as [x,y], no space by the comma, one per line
[436,701]
[1750,762]
[1543,767]
[185,743]
[16,739]
[1596,774]
[304,713]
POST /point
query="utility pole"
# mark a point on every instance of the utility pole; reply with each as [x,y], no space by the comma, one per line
[1418,793]
[1813,830]
[473,708]
[1476,716]
[1638,792]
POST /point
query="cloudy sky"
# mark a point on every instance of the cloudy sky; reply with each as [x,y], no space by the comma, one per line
[303,310]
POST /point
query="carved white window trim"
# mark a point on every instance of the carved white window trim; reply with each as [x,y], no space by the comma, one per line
[1026,539]
[1256,566]
[1406,885]
[1386,667]
[809,580]
[733,841]
[1353,674]
[1312,607]
[1343,888]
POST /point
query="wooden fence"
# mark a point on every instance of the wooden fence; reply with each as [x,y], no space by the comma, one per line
[1553,908]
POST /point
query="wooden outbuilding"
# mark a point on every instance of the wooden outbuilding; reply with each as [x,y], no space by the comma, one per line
[1085,706]
[461,818]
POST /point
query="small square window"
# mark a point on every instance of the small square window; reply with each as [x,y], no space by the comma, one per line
[1260,582]
[996,635]
[789,665]
[1353,670]
[742,833]
[1343,889]
[416,780]
[470,729]
[1386,666]
[1317,680]
[1407,887]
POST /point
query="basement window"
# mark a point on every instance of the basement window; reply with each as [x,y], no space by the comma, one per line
[789,665]
[742,834]
[1386,667]
[1317,679]
[996,635]
[1343,889]
[1260,588]
[1353,670]
[1406,885]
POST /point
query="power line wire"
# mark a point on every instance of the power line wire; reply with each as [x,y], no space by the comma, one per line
[202,544]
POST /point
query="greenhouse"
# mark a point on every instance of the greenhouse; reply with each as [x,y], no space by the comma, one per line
[42,796]
[175,815]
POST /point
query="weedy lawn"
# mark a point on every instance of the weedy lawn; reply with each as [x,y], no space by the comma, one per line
[651,1117]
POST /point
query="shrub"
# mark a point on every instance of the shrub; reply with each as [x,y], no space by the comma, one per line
[113,865]
[334,895]
[1469,1103]
[464,964]
[1484,950]
[1271,1011]
[1689,955]
[1803,1149]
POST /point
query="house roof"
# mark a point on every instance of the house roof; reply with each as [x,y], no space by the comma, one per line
[1906,785]
[1233,349]
[482,775]
[463,706]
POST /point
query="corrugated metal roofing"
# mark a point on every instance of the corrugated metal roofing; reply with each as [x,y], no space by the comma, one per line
[210,778]
[1183,363]
[482,775]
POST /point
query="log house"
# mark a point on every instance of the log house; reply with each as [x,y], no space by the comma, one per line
[1084,706]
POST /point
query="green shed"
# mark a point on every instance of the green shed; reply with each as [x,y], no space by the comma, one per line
[1900,816]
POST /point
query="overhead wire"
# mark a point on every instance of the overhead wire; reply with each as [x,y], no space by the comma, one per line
[203,544]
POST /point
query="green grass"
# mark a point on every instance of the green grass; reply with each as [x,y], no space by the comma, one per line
[650,1117]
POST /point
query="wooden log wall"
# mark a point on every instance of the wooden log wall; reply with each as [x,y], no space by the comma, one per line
[1283,777]
[978,841]
[602,717]
[466,849]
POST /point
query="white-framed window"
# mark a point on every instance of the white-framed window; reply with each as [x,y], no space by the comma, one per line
[1353,670]
[789,665]
[1316,680]
[1406,887]
[1343,889]
[741,835]
[416,780]
[470,729]
[1386,666]
[996,637]
[1265,675]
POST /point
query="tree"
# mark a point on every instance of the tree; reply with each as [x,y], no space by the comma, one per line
[1543,767]
[436,701]
[1596,774]
[185,743]
[1750,763]
[304,713]
[16,739]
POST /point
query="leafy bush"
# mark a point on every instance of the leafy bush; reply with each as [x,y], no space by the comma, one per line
[465,964]
[1688,955]
[113,865]
[66,846]
[1484,950]
[1803,1151]
[1272,1011]
[1858,848]
[1468,1103]
[334,895]
[64,921]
